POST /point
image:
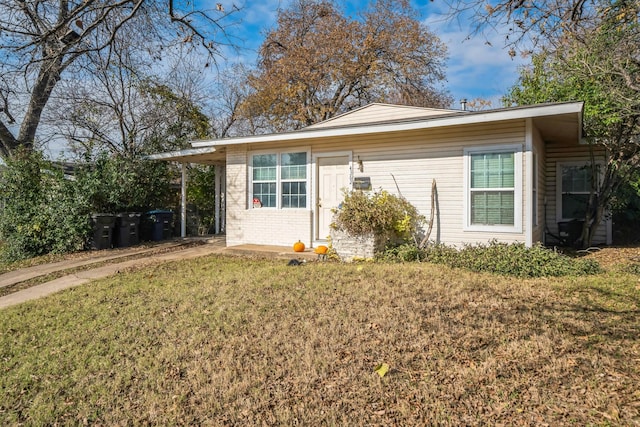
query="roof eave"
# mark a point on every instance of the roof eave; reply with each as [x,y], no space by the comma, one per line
[462,118]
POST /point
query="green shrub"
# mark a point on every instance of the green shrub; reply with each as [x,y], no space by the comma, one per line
[116,183]
[43,212]
[513,259]
[381,213]
[632,268]
[200,193]
[404,253]
[48,212]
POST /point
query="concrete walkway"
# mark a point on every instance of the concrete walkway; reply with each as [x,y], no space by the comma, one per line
[28,273]
[216,244]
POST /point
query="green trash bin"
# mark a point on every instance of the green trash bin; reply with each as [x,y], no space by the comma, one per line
[103,224]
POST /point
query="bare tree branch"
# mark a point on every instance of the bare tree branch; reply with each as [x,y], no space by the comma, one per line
[40,41]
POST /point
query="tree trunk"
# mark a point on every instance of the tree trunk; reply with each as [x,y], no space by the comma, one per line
[8,142]
[48,76]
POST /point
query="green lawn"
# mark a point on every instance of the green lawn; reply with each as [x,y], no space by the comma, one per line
[232,341]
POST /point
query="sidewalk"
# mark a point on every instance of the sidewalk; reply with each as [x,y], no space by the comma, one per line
[210,245]
[214,245]
[23,274]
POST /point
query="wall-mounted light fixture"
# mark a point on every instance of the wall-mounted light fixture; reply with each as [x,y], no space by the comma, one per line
[360,167]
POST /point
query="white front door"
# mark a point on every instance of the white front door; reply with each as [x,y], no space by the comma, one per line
[333,177]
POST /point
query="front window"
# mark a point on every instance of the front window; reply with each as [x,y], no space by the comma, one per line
[294,180]
[264,179]
[279,180]
[492,189]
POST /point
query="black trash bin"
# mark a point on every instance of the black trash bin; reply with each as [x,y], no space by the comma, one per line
[157,225]
[570,231]
[102,230]
[127,229]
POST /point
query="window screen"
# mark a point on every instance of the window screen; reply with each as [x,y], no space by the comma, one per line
[280,177]
[492,188]
[293,172]
[264,179]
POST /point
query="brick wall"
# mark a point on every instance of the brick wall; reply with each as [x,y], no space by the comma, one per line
[262,226]
[265,226]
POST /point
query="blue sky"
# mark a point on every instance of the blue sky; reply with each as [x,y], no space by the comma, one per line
[478,67]
[475,69]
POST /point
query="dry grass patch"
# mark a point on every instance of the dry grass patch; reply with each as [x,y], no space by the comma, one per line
[618,258]
[228,341]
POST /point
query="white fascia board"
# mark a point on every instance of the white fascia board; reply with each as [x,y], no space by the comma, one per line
[181,154]
[462,118]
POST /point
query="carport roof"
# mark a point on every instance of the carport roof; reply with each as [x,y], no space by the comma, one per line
[203,155]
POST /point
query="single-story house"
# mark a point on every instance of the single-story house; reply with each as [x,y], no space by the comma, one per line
[511,174]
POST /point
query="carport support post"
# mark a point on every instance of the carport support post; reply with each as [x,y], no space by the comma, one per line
[216,200]
[183,201]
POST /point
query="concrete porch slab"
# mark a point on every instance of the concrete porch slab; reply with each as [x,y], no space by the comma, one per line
[268,251]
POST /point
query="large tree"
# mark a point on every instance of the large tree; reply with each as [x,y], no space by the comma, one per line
[42,41]
[229,92]
[120,109]
[317,63]
[551,25]
[597,60]
[526,21]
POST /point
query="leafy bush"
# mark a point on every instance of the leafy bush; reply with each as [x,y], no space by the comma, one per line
[632,268]
[121,184]
[403,253]
[48,212]
[381,213]
[44,212]
[513,259]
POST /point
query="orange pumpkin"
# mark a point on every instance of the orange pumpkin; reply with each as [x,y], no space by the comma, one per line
[322,249]
[298,246]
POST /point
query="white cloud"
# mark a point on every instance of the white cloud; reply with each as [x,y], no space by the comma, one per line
[254,19]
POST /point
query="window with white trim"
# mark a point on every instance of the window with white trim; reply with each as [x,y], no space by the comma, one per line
[492,186]
[264,179]
[575,189]
[294,180]
[279,180]
[492,189]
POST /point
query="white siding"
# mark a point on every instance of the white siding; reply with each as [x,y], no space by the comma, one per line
[380,112]
[413,158]
[419,158]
